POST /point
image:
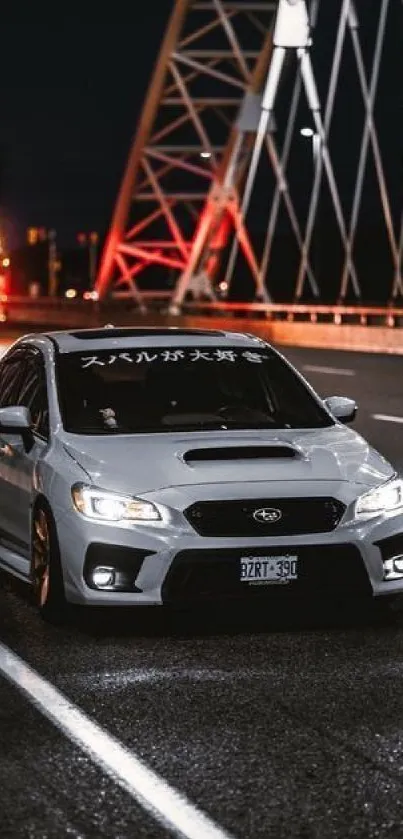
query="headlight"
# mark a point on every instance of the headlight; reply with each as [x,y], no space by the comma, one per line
[110,506]
[383,499]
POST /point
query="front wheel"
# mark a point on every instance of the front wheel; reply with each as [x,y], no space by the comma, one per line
[46,570]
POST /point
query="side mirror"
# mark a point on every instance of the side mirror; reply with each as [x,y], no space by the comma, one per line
[342,408]
[15,419]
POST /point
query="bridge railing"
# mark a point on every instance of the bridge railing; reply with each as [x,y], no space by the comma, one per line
[362,328]
[389,316]
[17,307]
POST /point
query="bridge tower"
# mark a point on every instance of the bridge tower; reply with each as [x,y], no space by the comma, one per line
[208,118]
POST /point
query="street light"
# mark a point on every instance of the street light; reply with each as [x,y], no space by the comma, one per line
[316,142]
[316,139]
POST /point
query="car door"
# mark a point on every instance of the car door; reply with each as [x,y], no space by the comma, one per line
[17,459]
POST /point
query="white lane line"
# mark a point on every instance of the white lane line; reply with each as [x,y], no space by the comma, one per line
[337,371]
[387,418]
[165,804]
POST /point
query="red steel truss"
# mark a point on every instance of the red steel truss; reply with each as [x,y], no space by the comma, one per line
[206,128]
[178,201]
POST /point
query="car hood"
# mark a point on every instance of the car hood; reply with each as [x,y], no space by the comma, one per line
[149,462]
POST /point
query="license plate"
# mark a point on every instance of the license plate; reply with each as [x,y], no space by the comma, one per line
[268,570]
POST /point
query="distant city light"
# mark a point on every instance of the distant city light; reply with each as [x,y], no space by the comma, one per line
[91,295]
[6,262]
[223,286]
[70,293]
[307,132]
[205,154]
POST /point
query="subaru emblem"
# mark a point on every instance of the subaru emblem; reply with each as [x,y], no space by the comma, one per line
[267,515]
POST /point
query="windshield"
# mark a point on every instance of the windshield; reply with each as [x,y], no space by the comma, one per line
[162,389]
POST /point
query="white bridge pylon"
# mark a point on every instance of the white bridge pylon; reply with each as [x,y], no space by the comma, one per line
[292,31]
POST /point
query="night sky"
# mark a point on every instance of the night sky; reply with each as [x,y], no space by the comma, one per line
[70,96]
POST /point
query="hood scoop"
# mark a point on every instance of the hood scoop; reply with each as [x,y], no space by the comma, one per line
[236,453]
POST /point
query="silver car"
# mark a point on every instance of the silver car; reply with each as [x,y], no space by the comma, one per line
[152,466]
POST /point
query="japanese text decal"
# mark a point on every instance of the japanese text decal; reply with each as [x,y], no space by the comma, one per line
[172,356]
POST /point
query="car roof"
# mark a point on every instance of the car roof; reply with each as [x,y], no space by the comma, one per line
[110,337]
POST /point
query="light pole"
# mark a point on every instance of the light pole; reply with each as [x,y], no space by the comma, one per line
[315,138]
[90,239]
[52,263]
[93,252]
[316,143]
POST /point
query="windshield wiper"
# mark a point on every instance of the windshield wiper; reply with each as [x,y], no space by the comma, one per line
[242,413]
[189,422]
[192,420]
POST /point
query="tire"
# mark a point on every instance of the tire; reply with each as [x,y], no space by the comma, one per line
[390,609]
[46,569]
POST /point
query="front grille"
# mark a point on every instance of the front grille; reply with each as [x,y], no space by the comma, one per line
[323,570]
[299,516]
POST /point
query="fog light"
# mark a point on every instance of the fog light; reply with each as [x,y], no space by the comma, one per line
[103,577]
[393,568]
[398,564]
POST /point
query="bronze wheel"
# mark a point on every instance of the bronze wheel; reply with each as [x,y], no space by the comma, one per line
[46,572]
[40,557]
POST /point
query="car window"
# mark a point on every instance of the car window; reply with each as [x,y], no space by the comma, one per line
[33,395]
[189,388]
[12,372]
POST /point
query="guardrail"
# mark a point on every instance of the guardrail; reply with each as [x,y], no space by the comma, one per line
[364,328]
[389,316]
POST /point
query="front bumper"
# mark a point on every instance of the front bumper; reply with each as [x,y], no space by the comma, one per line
[176,565]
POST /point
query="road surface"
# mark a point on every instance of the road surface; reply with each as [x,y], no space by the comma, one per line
[290,727]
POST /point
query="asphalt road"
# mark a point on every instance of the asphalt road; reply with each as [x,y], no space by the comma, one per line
[284,727]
